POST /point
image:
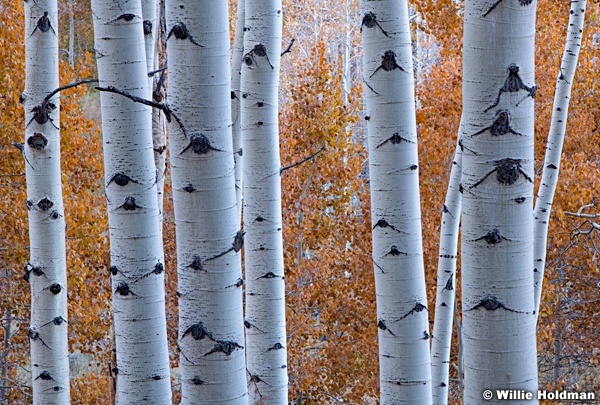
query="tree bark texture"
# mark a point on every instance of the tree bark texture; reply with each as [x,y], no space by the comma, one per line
[143,374]
[263,252]
[46,270]
[209,239]
[497,181]
[402,312]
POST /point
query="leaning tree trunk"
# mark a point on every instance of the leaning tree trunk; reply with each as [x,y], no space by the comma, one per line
[130,185]
[404,356]
[497,223]
[47,267]
[556,136]
[211,331]
[265,289]
[445,297]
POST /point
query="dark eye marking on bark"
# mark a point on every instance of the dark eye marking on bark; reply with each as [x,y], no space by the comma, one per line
[507,171]
[493,237]
[196,263]
[189,188]
[513,84]
[128,17]
[416,309]
[395,139]
[406,382]
[197,381]
[236,246]
[129,204]
[31,269]
[520,200]
[45,375]
[388,63]
[159,268]
[500,126]
[197,332]
[449,284]
[43,24]
[382,223]
[521,2]
[270,275]
[395,252]
[381,325]
[37,141]
[54,288]
[260,51]
[224,346]
[425,335]
[276,346]
[123,289]
[121,179]
[147,24]
[370,21]
[180,31]
[41,113]
[238,283]
[491,303]
[200,145]
[249,325]
[35,335]
[57,321]
[45,204]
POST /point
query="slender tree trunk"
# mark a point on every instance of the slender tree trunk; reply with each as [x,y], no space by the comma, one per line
[209,240]
[236,94]
[130,186]
[71,32]
[497,223]
[446,284]
[560,112]
[404,356]
[47,267]
[265,288]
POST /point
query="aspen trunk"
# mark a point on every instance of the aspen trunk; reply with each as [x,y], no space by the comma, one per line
[556,136]
[211,331]
[130,186]
[497,223]
[265,287]
[445,297]
[404,355]
[47,267]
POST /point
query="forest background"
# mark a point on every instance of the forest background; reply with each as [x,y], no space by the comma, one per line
[332,338]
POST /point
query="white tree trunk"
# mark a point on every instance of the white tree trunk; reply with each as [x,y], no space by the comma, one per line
[405,373]
[446,284]
[47,267]
[497,223]
[211,331]
[265,289]
[236,94]
[560,112]
[130,186]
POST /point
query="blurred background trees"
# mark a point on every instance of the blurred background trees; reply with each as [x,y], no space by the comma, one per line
[332,353]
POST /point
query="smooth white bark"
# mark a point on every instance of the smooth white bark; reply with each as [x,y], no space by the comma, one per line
[236,94]
[404,355]
[498,330]
[265,287]
[556,136]
[445,297]
[211,331]
[130,186]
[47,267]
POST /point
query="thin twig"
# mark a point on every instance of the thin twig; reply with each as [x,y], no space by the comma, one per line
[67,86]
[302,161]
[289,48]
